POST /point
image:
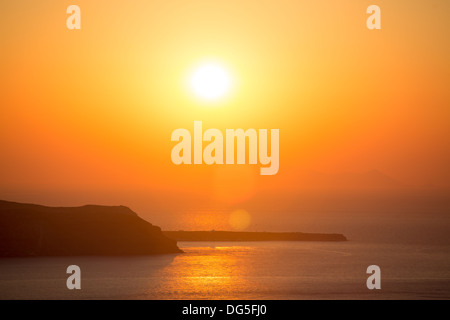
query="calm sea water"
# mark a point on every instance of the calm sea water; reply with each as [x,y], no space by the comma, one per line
[413,252]
[226,270]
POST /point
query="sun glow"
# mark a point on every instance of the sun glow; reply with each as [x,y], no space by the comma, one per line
[210,81]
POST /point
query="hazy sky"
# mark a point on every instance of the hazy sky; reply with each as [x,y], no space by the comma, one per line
[91,111]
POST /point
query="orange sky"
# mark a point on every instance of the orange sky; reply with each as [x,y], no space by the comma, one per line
[91,111]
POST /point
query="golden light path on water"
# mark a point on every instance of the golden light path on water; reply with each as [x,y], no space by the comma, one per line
[217,273]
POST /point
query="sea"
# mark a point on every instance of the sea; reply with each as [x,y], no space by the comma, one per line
[413,257]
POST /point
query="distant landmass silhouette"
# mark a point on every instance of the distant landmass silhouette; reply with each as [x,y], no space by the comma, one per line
[372,179]
[35,230]
[251,236]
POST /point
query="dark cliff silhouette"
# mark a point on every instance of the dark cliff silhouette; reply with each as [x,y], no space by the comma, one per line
[35,230]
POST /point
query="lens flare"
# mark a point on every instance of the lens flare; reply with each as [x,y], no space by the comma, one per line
[239,220]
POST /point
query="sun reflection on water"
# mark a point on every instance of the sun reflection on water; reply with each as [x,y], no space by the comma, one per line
[208,273]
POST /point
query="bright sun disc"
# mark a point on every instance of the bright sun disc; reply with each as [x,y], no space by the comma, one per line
[210,82]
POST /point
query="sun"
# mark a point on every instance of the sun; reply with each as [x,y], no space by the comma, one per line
[210,81]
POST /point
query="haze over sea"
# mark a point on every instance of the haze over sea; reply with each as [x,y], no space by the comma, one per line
[413,252]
